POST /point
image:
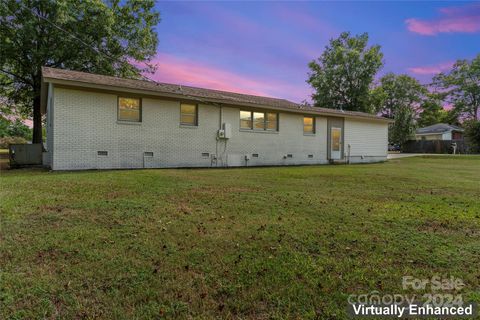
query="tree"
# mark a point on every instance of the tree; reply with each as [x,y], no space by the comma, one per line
[92,36]
[4,125]
[343,74]
[451,117]
[432,112]
[15,128]
[461,86]
[472,133]
[398,98]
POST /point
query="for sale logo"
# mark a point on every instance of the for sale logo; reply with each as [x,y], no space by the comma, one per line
[441,298]
[436,283]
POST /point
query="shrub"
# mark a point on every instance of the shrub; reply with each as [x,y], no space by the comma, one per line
[14,128]
[5,141]
[472,134]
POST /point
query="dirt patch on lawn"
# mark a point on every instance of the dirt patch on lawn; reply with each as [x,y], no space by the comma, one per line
[448,228]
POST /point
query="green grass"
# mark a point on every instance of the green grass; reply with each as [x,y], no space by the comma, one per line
[280,242]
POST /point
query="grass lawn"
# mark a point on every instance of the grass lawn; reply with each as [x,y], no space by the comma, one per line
[279,242]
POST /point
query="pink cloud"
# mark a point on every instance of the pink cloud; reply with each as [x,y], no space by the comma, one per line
[448,106]
[27,122]
[430,70]
[172,69]
[454,19]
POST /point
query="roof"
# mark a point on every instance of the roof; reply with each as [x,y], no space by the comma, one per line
[83,79]
[438,128]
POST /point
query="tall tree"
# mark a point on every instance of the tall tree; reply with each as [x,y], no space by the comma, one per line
[451,116]
[105,37]
[472,134]
[461,86]
[432,111]
[343,74]
[398,97]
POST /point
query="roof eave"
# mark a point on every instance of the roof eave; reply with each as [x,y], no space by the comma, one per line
[159,94]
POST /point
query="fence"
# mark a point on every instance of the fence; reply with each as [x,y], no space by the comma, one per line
[436,146]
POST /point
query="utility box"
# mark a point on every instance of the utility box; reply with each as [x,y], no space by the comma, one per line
[225,132]
[25,155]
[227,128]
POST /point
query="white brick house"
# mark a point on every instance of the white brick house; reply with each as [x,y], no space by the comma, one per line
[101,122]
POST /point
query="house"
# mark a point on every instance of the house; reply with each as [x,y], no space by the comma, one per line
[103,122]
[439,131]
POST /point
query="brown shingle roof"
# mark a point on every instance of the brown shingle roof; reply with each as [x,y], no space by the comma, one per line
[200,94]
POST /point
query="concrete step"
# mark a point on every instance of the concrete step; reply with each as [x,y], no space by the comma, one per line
[342,161]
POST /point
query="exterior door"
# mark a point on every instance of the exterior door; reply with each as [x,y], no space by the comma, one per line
[336,143]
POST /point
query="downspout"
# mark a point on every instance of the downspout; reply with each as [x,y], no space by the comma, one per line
[220,121]
[348,157]
[49,127]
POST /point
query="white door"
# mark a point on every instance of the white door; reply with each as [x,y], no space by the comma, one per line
[336,143]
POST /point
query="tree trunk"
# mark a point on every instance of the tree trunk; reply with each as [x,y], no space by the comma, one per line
[37,120]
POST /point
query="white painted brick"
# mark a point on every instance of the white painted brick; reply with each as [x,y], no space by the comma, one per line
[86,122]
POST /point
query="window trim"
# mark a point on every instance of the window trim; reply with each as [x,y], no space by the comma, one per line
[314,125]
[265,121]
[196,115]
[140,118]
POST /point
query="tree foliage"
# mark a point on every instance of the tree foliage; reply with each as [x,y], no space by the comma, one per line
[14,128]
[397,97]
[343,74]
[105,37]
[432,112]
[472,133]
[461,87]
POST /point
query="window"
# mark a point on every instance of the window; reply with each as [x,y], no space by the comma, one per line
[259,121]
[245,120]
[129,109]
[188,114]
[102,153]
[271,122]
[309,125]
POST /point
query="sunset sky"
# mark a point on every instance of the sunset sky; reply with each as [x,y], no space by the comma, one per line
[263,48]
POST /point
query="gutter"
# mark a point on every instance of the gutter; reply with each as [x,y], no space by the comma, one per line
[160,94]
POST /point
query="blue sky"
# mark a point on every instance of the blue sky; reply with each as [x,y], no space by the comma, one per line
[264,47]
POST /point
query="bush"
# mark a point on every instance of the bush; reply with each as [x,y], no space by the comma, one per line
[5,141]
[472,134]
[14,128]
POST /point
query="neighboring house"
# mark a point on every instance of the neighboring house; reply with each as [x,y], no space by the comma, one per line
[102,122]
[439,131]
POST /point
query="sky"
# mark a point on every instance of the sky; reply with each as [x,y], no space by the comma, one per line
[263,48]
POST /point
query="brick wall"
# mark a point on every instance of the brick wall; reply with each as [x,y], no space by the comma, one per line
[86,122]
